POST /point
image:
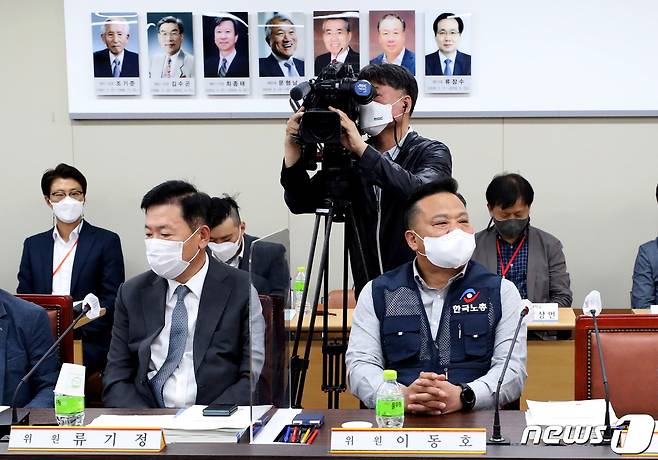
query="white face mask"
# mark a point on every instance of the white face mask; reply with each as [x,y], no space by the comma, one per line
[166,257]
[68,210]
[375,116]
[452,250]
[227,250]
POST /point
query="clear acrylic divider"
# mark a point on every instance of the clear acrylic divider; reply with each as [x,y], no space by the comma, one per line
[269,268]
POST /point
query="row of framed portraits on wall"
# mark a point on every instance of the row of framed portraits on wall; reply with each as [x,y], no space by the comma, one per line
[283,56]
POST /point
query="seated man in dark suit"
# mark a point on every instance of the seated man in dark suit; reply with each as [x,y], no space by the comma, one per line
[230,244]
[24,338]
[228,61]
[75,258]
[115,61]
[181,333]
[529,257]
[281,36]
[336,36]
[645,274]
[448,60]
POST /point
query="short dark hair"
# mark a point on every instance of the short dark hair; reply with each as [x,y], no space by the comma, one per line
[392,15]
[444,185]
[221,208]
[62,171]
[505,190]
[442,16]
[392,75]
[221,19]
[194,205]
[171,20]
[348,26]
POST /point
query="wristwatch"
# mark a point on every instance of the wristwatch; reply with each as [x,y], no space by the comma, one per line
[467,397]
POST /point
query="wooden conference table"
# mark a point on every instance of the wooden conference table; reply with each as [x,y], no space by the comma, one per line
[550,362]
[512,422]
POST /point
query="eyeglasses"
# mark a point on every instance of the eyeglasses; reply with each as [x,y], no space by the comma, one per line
[449,33]
[60,195]
[172,34]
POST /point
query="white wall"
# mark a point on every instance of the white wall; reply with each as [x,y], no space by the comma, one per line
[594,179]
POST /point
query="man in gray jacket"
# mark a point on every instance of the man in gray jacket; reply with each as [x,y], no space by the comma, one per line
[529,257]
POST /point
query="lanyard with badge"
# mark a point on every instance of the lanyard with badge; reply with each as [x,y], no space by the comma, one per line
[65,257]
[505,268]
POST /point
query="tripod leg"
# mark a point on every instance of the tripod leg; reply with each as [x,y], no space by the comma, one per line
[314,310]
[297,366]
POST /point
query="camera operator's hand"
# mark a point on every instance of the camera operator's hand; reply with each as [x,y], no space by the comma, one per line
[351,139]
[291,150]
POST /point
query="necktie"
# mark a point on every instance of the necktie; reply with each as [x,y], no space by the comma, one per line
[448,70]
[167,71]
[177,340]
[116,69]
[289,68]
[223,68]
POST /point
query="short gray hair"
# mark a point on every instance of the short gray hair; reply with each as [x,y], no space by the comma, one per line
[278,18]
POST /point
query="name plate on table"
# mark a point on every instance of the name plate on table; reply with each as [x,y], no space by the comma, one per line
[409,440]
[545,313]
[85,439]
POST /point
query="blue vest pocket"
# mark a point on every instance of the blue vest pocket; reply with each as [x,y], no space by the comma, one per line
[476,335]
[401,338]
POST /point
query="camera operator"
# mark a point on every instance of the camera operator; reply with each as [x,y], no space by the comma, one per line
[389,166]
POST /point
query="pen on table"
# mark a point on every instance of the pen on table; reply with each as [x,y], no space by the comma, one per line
[286,436]
[306,435]
[295,431]
[310,439]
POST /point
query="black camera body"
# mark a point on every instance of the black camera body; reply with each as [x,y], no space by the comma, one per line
[320,130]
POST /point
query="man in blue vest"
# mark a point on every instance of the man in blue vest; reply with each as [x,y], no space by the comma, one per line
[444,322]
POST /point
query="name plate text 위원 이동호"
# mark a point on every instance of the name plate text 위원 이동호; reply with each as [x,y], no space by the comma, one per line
[409,440]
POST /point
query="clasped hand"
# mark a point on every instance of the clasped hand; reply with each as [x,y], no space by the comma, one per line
[432,394]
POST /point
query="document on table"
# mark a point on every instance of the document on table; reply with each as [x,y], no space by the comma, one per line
[589,412]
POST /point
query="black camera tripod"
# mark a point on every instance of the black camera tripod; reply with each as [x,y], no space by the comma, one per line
[333,352]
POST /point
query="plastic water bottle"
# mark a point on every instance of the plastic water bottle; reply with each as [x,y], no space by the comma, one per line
[298,288]
[69,410]
[390,402]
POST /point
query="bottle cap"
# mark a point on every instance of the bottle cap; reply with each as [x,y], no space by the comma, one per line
[301,269]
[390,374]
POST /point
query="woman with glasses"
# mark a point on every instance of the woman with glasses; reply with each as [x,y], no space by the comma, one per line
[74,258]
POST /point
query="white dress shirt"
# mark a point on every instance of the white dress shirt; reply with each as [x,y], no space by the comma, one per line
[365,360]
[293,69]
[174,60]
[62,279]
[443,57]
[396,61]
[229,59]
[341,56]
[119,58]
[180,388]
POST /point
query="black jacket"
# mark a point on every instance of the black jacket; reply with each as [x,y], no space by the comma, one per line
[419,161]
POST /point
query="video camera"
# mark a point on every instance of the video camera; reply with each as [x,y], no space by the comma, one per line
[320,130]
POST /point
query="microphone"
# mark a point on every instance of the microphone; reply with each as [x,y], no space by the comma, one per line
[90,309]
[592,307]
[496,436]
[300,91]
